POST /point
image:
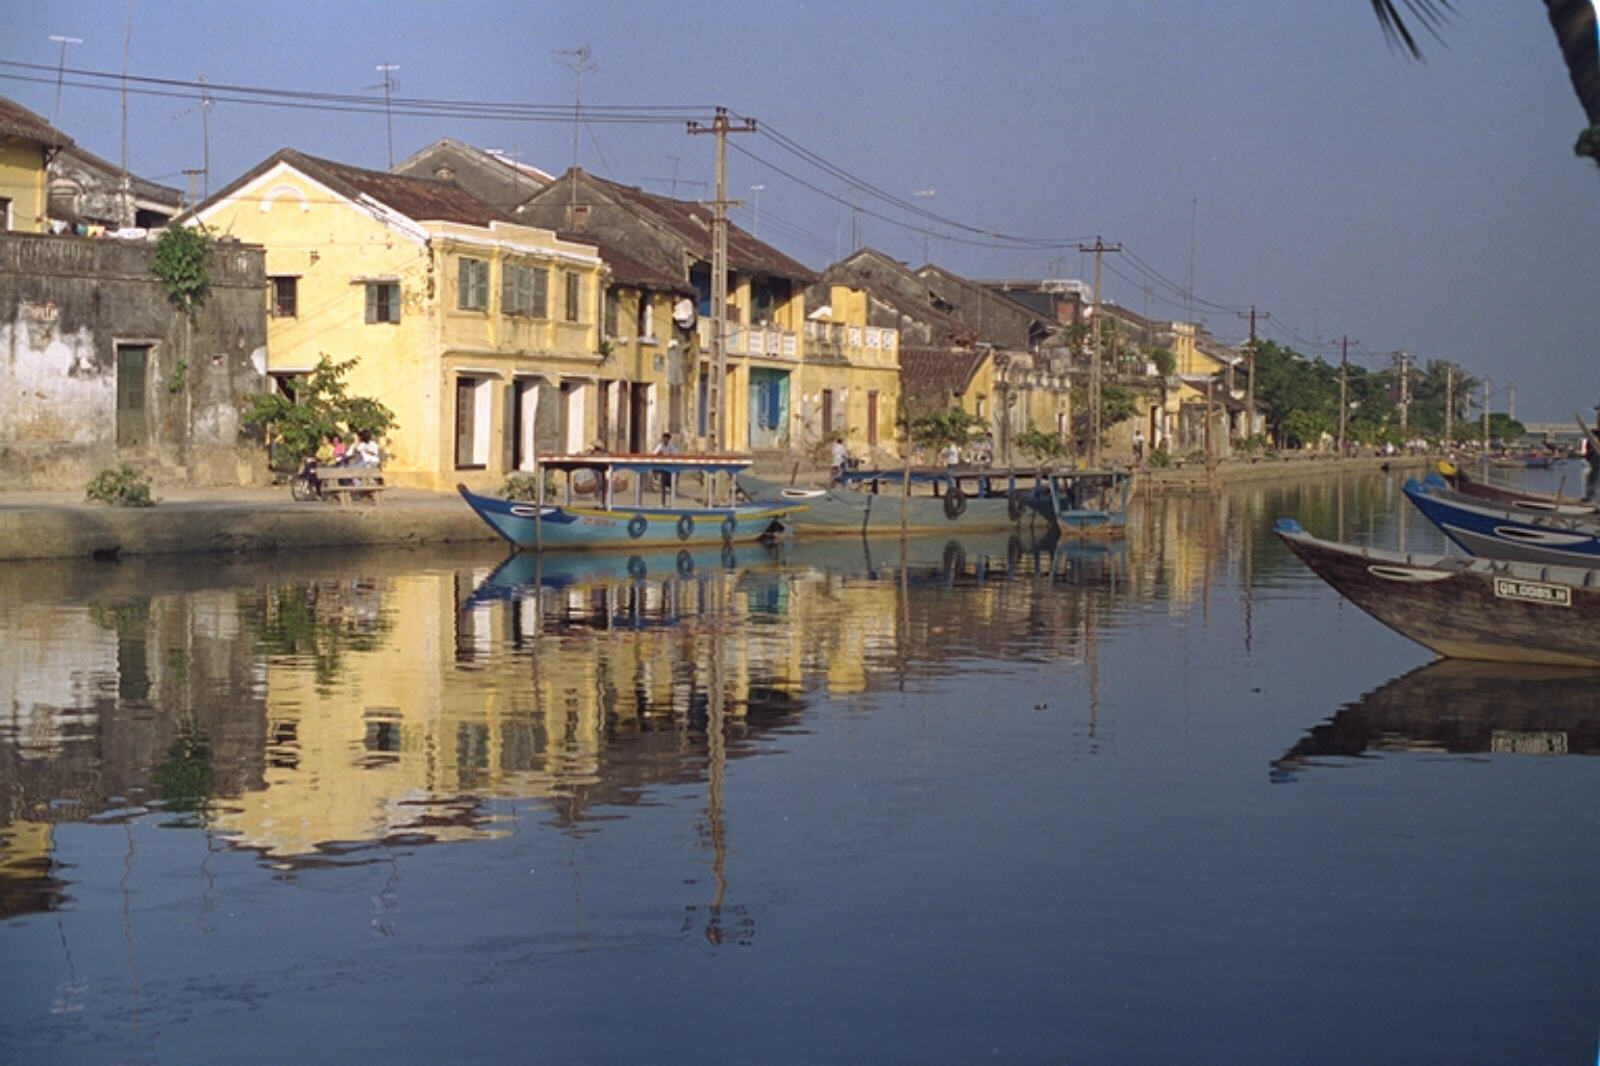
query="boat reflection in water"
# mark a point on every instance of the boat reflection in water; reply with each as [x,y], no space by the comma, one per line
[596,586]
[1458,706]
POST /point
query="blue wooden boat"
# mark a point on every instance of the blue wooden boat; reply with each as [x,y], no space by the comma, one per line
[956,499]
[1498,531]
[611,501]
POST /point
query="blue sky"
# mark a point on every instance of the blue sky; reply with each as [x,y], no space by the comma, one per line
[1259,153]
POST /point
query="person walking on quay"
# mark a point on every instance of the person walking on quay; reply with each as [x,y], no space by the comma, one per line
[839,459]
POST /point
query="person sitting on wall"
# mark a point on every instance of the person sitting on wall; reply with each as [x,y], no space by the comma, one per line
[366,453]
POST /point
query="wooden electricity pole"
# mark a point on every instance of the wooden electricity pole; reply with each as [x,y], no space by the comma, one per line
[1098,248]
[720,128]
[1250,387]
[1344,377]
[1449,406]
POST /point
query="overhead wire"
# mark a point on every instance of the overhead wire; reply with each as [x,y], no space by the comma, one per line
[950,230]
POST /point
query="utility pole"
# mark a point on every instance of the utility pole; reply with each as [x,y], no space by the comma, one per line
[1344,376]
[720,128]
[1449,406]
[1250,387]
[1486,383]
[1405,390]
[1099,248]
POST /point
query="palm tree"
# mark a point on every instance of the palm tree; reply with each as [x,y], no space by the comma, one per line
[1573,21]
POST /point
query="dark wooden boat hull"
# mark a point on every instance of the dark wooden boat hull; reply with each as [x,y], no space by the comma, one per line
[1460,481]
[1464,608]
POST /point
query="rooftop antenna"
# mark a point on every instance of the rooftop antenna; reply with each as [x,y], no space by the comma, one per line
[204,107]
[755,226]
[389,84]
[61,69]
[925,194]
[127,180]
[580,64]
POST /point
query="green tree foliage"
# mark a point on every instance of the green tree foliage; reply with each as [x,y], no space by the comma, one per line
[940,428]
[1039,446]
[1117,404]
[318,406]
[179,260]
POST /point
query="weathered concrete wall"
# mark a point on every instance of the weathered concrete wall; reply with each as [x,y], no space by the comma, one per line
[66,305]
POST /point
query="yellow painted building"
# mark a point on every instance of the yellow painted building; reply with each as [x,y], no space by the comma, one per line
[482,334]
[849,381]
[763,327]
[26,144]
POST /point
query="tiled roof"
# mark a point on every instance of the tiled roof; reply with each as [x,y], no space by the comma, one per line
[691,223]
[18,121]
[419,199]
[888,281]
[936,373]
[626,270]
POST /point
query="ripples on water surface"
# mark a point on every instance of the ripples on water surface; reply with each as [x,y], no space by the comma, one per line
[1164,801]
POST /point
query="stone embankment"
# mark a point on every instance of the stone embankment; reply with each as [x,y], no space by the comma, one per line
[62,525]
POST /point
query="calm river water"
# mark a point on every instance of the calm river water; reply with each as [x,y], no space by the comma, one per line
[1169,801]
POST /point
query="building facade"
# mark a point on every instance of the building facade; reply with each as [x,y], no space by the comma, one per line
[481,334]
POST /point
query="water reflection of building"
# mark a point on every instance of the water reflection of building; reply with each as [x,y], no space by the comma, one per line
[374,707]
[96,697]
[1461,707]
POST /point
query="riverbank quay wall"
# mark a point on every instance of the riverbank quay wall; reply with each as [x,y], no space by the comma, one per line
[1196,477]
[62,524]
[59,525]
[98,369]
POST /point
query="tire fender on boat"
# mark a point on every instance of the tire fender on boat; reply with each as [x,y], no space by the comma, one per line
[1016,504]
[637,525]
[729,524]
[955,503]
[685,526]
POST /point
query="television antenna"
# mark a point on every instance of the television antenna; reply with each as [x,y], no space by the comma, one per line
[61,69]
[579,63]
[389,84]
[204,106]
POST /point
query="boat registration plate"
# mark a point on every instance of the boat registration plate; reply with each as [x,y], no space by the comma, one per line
[1508,588]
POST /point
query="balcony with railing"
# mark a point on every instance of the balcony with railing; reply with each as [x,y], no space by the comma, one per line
[860,345]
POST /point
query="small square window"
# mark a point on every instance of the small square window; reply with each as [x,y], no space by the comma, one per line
[284,292]
[383,302]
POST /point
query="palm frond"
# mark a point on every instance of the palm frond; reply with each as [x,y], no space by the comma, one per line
[1429,14]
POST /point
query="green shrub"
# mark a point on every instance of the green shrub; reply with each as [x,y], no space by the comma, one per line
[520,487]
[1159,459]
[121,488]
